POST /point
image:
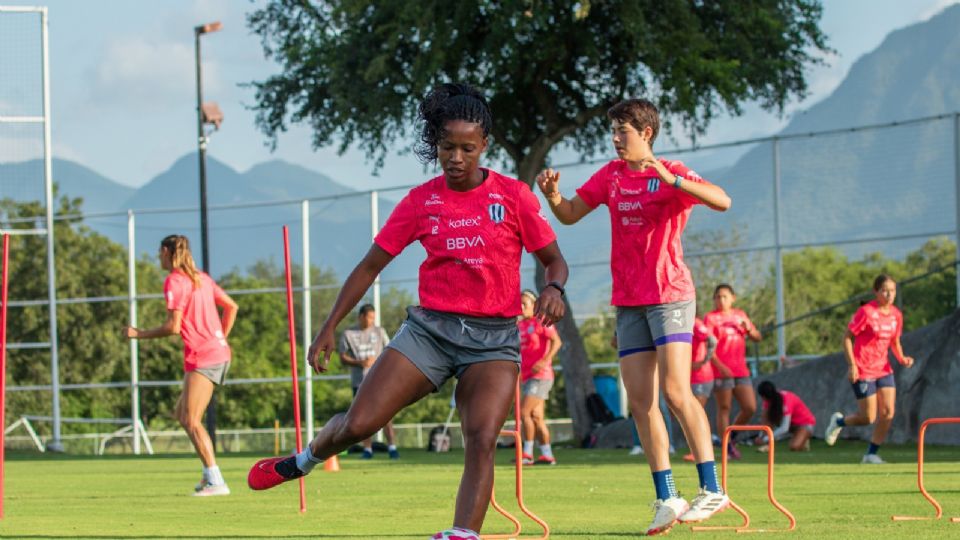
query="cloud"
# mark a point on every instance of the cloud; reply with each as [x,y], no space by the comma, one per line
[935,8]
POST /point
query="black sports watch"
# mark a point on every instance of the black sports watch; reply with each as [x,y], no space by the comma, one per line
[556,285]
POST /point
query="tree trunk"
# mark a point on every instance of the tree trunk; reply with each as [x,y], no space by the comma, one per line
[573,355]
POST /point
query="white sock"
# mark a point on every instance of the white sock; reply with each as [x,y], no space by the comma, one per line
[305,460]
[528,447]
[466,531]
[391,448]
[546,450]
[213,475]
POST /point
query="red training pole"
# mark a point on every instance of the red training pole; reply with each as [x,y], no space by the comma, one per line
[3,360]
[293,358]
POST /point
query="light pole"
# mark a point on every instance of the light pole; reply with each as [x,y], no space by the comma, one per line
[207,114]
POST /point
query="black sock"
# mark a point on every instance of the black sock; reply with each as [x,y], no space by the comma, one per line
[288,469]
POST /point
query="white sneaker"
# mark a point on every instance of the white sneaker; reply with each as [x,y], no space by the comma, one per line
[211,490]
[666,514]
[636,451]
[872,459]
[833,429]
[704,506]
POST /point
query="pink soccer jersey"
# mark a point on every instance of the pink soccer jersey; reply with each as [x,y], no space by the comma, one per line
[731,345]
[534,343]
[874,332]
[204,344]
[474,241]
[701,332]
[647,218]
[795,408]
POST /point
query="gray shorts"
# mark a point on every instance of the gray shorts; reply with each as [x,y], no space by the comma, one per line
[217,374]
[644,328]
[702,389]
[729,383]
[538,388]
[443,345]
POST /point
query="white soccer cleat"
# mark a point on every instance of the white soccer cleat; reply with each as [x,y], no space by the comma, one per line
[636,451]
[211,490]
[704,506]
[872,459]
[666,514]
[833,429]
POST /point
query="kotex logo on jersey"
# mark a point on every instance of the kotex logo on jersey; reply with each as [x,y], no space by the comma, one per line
[497,212]
[464,222]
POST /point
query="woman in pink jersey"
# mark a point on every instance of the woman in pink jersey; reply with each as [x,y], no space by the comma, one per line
[649,201]
[474,224]
[539,345]
[703,348]
[192,298]
[731,326]
[874,329]
[788,415]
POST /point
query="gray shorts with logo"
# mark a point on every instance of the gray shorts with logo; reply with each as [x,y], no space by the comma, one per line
[702,389]
[644,328]
[443,345]
[730,382]
[217,374]
[538,388]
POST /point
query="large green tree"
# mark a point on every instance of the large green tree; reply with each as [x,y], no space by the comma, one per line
[353,71]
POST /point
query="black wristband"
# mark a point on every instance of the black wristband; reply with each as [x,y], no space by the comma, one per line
[556,285]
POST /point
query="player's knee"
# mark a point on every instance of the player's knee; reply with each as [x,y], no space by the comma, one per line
[354,427]
[749,409]
[886,413]
[481,438]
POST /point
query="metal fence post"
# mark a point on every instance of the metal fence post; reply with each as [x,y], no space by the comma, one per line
[134,350]
[374,229]
[307,320]
[781,309]
[956,183]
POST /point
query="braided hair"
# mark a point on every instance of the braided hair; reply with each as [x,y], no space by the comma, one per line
[442,104]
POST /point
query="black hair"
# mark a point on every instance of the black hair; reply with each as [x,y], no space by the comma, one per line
[366,308]
[444,103]
[768,391]
[639,113]
[722,286]
[880,280]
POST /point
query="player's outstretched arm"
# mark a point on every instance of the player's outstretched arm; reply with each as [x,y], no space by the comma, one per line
[567,211]
[352,291]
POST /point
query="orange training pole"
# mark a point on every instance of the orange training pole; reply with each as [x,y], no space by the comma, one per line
[923,490]
[3,359]
[518,443]
[293,358]
[773,500]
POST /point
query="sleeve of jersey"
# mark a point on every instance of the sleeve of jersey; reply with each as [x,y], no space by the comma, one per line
[594,191]
[750,325]
[535,230]
[343,346]
[859,322]
[678,168]
[550,331]
[899,323]
[385,337]
[401,228]
[174,295]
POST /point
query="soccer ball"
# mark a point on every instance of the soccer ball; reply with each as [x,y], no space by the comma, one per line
[455,534]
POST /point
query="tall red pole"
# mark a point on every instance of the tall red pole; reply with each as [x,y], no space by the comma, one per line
[293,358]
[3,360]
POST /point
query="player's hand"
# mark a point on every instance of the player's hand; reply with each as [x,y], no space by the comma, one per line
[130,332]
[549,307]
[368,361]
[907,361]
[549,183]
[652,161]
[320,350]
[853,374]
[724,370]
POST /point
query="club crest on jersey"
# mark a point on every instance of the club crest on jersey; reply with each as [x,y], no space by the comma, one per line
[653,185]
[497,212]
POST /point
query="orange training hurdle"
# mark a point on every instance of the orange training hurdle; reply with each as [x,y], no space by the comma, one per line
[923,490]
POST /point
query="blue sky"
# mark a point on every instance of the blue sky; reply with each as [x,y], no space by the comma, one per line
[123,95]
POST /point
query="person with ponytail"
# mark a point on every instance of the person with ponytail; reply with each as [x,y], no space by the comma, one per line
[192,299]
[874,330]
[788,415]
[474,224]
[539,346]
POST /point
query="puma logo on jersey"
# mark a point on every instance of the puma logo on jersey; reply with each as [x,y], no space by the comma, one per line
[462,242]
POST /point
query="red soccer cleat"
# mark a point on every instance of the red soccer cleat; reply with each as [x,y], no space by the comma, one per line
[546,460]
[264,475]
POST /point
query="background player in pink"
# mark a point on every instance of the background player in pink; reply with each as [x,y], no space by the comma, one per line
[731,375]
[539,345]
[874,329]
[788,415]
[703,348]
[192,298]
[474,224]
[649,201]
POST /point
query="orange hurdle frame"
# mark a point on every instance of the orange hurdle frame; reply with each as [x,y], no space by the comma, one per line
[515,433]
[923,490]
[746,517]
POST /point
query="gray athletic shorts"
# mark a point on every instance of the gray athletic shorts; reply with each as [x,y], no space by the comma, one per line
[538,388]
[702,389]
[730,382]
[217,374]
[644,328]
[443,345]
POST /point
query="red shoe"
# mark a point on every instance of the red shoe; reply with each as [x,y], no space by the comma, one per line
[264,475]
[689,457]
[546,460]
[525,459]
[732,450]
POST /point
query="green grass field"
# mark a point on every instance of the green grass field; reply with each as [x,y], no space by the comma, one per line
[591,494]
